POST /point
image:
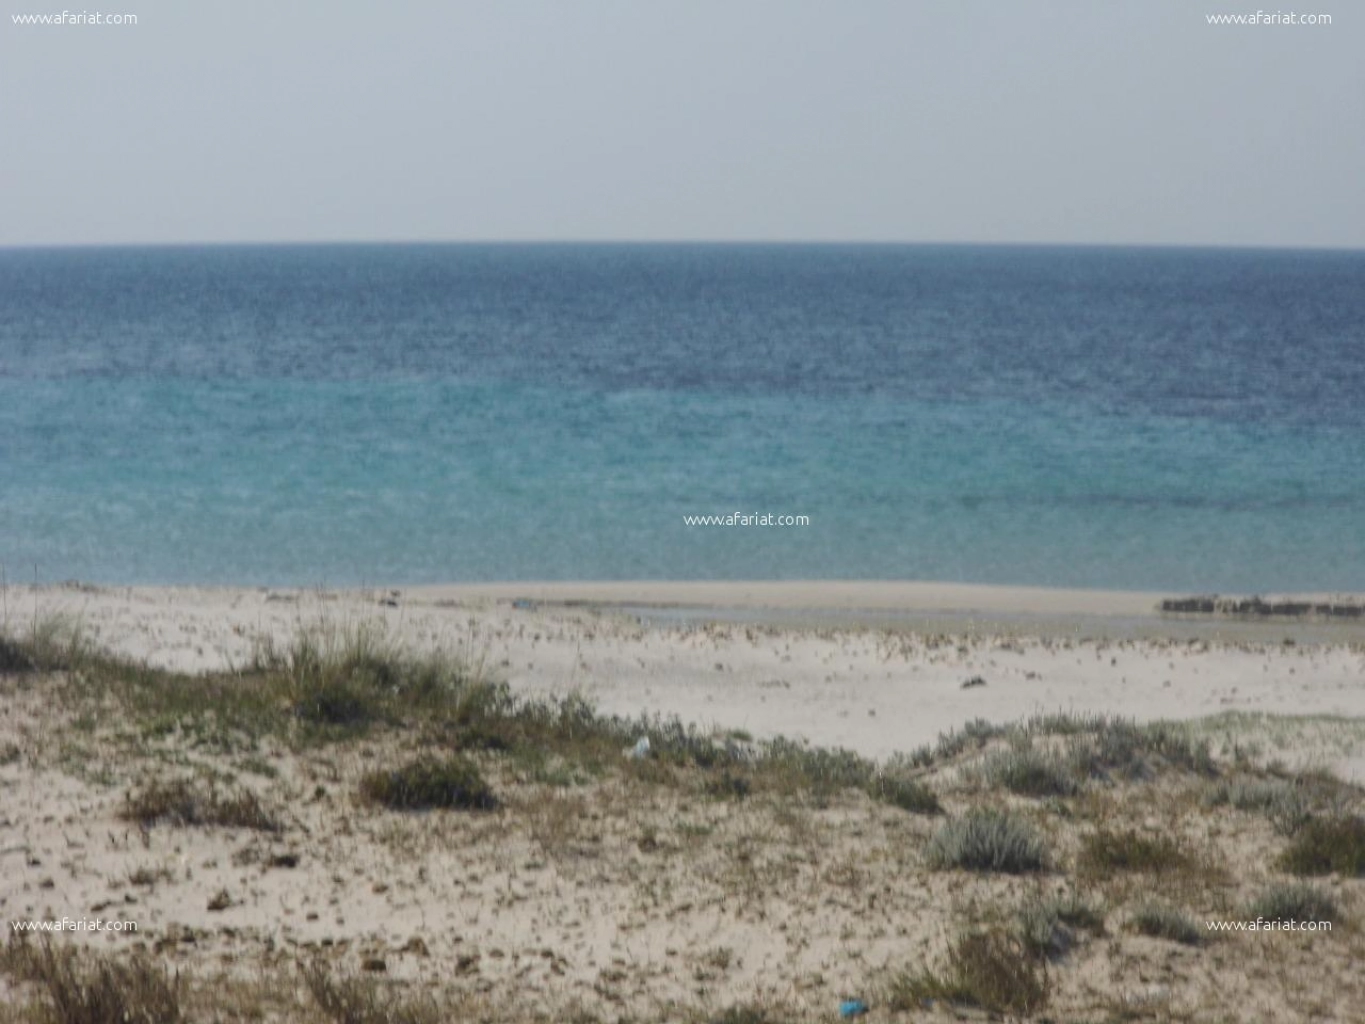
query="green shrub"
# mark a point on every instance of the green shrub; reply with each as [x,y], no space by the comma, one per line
[1326,845]
[987,840]
[1165,922]
[428,783]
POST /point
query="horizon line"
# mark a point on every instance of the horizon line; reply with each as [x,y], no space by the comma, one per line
[675,242]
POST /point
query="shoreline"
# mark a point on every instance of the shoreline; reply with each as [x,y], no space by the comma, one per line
[867,674]
[847,596]
[913,607]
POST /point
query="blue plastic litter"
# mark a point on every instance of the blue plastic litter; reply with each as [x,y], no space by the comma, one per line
[852,1008]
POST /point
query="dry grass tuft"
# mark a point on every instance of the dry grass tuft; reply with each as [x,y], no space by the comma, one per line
[191,802]
[991,970]
[1106,853]
[357,1000]
[1295,901]
[429,783]
[94,989]
[1166,922]
[1326,845]
[1029,772]
[1047,927]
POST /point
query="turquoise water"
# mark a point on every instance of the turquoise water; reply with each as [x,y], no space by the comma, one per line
[1138,419]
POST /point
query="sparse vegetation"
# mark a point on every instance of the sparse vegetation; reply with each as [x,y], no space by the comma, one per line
[987,840]
[1326,845]
[84,988]
[745,1013]
[907,794]
[1280,800]
[194,802]
[1027,771]
[704,819]
[1047,927]
[1105,853]
[426,782]
[358,1000]
[1161,921]
[1295,901]
[989,969]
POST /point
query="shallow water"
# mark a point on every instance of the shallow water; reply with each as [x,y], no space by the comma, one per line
[1175,420]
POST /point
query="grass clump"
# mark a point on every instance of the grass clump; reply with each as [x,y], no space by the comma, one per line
[1281,801]
[191,802]
[427,782]
[991,970]
[743,1014]
[1161,921]
[972,736]
[1326,845]
[1107,748]
[51,643]
[1047,927]
[1295,901]
[987,840]
[1106,853]
[94,989]
[14,658]
[1042,932]
[907,794]
[1028,772]
[821,771]
[354,677]
[362,1001]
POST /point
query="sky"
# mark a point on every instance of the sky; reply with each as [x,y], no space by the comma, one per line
[1126,122]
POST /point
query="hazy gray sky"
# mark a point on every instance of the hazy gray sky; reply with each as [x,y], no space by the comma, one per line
[954,120]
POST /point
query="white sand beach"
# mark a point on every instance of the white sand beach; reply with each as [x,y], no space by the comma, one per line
[667,890]
[876,667]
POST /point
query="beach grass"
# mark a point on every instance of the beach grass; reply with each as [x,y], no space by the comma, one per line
[979,872]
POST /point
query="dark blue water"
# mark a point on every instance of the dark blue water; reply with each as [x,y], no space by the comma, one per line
[1128,418]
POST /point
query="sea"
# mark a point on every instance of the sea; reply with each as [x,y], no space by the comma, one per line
[1182,420]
